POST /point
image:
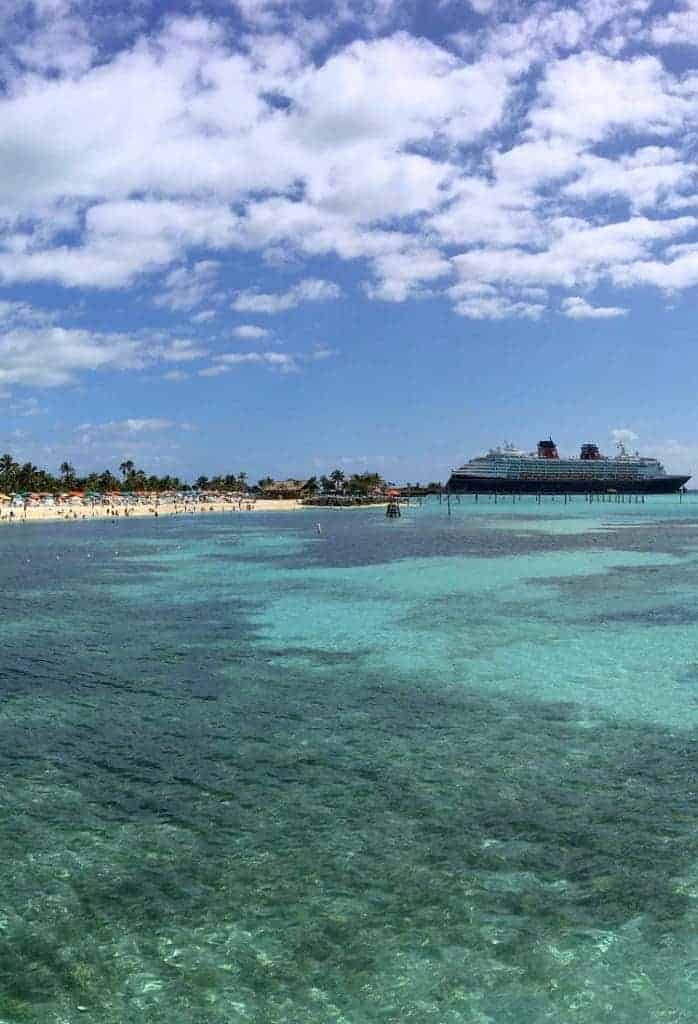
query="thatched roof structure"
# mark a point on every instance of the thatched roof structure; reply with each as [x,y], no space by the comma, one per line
[290,488]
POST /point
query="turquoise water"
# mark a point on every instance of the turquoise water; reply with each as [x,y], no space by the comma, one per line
[440,769]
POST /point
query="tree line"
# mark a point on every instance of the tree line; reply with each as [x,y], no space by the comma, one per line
[16,477]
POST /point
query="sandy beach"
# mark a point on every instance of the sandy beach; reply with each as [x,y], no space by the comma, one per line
[77,512]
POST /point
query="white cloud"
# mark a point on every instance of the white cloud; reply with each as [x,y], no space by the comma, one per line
[153,438]
[189,286]
[401,274]
[179,350]
[22,313]
[48,36]
[482,6]
[677,456]
[251,332]
[578,253]
[213,371]
[497,307]
[167,129]
[540,33]
[308,290]
[577,308]
[263,14]
[485,212]
[36,353]
[622,435]
[281,361]
[357,462]
[644,177]
[519,156]
[122,240]
[147,425]
[23,406]
[678,27]
[587,96]
[669,275]
[54,356]
[421,86]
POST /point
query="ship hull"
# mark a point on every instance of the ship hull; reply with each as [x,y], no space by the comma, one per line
[492,485]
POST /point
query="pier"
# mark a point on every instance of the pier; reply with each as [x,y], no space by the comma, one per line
[609,497]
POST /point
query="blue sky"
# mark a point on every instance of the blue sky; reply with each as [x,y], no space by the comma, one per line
[280,237]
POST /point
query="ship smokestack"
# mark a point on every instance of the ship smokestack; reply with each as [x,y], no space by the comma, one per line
[590,451]
[547,449]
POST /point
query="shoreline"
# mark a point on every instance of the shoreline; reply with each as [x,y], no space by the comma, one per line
[81,513]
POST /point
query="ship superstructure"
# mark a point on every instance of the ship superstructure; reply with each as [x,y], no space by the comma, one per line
[509,470]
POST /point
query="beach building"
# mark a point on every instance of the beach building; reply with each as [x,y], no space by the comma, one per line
[291,488]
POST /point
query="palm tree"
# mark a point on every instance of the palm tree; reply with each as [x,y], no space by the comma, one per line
[337,478]
[127,468]
[108,482]
[26,477]
[365,483]
[7,464]
[242,481]
[8,471]
[67,474]
[311,486]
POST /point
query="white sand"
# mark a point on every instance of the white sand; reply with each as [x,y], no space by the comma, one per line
[79,512]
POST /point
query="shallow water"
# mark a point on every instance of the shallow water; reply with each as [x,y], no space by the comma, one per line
[440,770]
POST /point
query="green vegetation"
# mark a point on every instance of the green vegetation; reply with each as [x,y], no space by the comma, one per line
[28,477]
[16,478]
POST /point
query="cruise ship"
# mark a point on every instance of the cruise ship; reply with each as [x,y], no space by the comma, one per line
[508,470]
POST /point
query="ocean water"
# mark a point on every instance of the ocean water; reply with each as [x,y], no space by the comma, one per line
[441,769]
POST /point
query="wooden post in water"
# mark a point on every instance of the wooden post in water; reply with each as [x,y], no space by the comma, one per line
[448,499]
